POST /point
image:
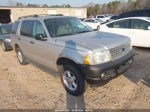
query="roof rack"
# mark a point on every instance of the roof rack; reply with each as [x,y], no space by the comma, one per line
[55,15]
[38,15]
[28,16]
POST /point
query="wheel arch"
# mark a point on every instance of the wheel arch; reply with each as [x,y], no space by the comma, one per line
[16,46]
[63,60]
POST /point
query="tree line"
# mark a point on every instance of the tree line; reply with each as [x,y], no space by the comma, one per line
[18,4]
[116,7]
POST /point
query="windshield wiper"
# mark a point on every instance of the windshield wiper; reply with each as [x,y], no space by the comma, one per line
[65,34]
[73,33]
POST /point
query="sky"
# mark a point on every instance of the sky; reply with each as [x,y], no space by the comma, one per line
[74,3]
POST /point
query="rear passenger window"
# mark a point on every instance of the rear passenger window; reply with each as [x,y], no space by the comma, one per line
[26,28]
[15,27]
[139,24]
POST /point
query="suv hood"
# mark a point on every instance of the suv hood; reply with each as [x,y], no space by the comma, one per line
[94,41]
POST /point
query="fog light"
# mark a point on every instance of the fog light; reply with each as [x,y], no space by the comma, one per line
[104,76]
[108,74]
[130,61]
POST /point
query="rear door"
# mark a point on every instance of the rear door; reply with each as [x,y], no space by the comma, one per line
[25,39]
[140,33]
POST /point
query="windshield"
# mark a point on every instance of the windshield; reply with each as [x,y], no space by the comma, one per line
[5,29]
[66,26]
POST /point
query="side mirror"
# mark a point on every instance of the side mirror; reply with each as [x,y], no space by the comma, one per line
[148,28]
[40,37]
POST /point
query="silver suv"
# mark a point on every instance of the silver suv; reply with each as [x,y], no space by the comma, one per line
[68,46]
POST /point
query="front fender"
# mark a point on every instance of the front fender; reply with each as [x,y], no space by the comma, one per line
[74,55]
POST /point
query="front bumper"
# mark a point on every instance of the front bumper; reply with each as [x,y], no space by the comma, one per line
[107,70]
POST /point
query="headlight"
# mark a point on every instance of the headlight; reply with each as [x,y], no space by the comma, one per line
[97,58]
[7,40]
[101,57]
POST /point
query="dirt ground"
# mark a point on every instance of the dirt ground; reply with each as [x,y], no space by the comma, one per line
[35,87]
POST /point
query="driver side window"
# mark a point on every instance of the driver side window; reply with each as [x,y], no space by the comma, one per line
[38,29]
[121,24]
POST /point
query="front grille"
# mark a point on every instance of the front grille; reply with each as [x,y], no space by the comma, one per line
[120,51]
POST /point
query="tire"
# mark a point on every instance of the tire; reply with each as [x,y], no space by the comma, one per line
[77,79]
[4,46]
[21,58]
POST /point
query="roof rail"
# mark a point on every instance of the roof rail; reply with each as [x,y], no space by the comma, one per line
[28,16]
[55,15]
[38,15]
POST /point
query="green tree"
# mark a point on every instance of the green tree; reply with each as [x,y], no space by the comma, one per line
[90,11]
[45,5]
[32,5]
[116,7]
[19,4]
[96,9]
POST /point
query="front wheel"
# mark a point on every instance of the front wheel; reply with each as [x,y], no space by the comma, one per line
[72,80]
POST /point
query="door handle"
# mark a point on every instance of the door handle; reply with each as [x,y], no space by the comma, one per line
[31,42]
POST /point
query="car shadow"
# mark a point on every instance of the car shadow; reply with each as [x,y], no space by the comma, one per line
[140,70]
[43,68]
[75,104]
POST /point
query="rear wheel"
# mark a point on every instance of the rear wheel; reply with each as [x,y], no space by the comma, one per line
[72,80]
[21,58]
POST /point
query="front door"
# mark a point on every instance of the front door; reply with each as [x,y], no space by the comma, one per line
[36,50]
[40,48]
